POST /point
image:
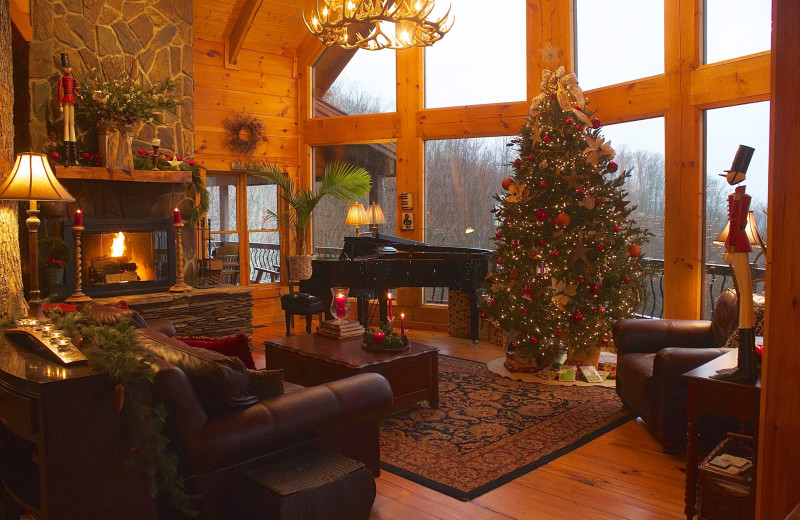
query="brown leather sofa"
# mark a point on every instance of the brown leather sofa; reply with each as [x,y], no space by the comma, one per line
[652,356]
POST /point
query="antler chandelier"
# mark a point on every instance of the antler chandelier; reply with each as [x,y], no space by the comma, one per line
[377,24]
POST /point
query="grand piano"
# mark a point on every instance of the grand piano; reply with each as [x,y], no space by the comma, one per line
[372,265]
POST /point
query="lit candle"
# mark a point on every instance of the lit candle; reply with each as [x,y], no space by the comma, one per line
[46,329]
[55,336]
[378,337]
[63,344]
[156,142]
[78,217]
[402,324]
[341,305]
[176,216]
[389,312]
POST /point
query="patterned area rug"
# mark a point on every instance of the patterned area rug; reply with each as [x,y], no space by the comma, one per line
[490,430]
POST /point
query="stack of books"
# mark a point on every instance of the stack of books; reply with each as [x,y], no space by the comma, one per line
[333,329]
[726,464]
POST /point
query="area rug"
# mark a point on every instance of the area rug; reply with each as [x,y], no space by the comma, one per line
[489,430]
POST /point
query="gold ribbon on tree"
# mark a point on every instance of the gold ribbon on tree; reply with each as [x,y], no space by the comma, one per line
[568,93]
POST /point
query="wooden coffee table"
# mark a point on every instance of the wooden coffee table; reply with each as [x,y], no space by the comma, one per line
[310,359]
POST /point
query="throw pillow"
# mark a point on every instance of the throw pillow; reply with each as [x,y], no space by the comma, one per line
[237,345]
[758,327]
[266,383]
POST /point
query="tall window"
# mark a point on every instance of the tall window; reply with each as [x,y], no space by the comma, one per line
[379,160]
[640,149]
[726,129]
[227,226]
[352,82]
[482,58]
[736,28]
[461,177]
[618,40]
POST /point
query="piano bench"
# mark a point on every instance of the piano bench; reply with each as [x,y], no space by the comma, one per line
[302,304]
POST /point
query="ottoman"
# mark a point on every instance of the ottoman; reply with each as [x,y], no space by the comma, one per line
[319,485]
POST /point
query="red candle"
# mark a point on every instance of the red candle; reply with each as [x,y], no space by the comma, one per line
[78,217]
[378,337]
[176,216]
[341,305]
[389,312]
[402,324]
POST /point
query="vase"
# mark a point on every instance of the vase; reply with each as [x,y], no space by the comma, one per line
[112,155]
[340,304]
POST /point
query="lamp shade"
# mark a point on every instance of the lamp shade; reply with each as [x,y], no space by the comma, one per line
[356,215]
[375,214]
[32,179]
[751,230]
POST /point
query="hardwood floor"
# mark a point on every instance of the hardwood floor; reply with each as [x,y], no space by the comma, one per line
[620,475]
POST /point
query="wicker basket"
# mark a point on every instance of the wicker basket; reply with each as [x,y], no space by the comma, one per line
[300,267]
[726,497]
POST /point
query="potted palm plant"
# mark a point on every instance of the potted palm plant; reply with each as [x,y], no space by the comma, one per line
[343,181]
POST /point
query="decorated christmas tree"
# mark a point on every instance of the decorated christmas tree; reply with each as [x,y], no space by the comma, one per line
[567,259]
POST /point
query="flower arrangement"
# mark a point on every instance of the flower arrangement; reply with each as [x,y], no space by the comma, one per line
[123,102]
[53,252]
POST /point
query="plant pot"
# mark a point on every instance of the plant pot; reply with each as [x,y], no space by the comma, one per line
[300,267]
[117,162]
[53,276]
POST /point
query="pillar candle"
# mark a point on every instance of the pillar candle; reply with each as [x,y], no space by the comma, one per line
[402,324]
[176,216]
[341,306]
[389,298]
[78,217]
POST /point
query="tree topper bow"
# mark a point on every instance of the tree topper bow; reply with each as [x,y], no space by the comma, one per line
[569,94]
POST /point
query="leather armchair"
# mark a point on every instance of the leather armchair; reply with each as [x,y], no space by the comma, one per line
[219,430]
[652,356]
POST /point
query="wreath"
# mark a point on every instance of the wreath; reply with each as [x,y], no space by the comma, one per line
[243,132]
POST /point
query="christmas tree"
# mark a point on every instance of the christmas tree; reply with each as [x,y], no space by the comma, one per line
[567,259]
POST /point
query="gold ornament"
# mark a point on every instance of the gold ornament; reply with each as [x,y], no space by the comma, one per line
[597,149]
[563,293]
[580,252]
[518,193]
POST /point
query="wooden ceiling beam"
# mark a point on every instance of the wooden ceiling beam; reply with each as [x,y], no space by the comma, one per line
[233,45]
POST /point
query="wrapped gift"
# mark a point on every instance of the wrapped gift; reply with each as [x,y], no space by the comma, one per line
[458,314]
[496,335]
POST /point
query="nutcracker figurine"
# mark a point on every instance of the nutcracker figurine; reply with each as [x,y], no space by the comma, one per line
[67,92]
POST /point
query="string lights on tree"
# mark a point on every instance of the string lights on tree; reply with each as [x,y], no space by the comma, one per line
[567,260]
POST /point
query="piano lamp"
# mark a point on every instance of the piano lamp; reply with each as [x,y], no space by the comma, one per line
[375,216]
[32,179]
[356,216]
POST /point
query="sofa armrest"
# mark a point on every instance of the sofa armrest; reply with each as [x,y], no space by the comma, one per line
[671,363]
[650,336]
[162,325]
[276,423]
[173,388]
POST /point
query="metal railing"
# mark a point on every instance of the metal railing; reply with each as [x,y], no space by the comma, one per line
[265,260]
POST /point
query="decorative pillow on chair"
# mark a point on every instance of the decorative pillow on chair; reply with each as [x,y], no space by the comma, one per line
[266,383]
[237,345]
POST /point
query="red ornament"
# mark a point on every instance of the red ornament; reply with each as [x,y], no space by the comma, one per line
[577,316]
[597,201]
[563,219]
[517,161]
[596,123]
[542,242]
[603,341]
[534,340]
[558,330]
[580,128]
[190,162]
[543,185]
[86,155]
[508,181]
[541,215]
[569,121]
[54,156]
[507,221]
[600,310]
[612,166]
[581,190]
[499,261]
[483,315]
[634,251]
[616,229]
[530,158]
[627,278]
[581,279]
[554,253]
[546,139]
[600,246]
[552,95]
[524,310]
[499,234]
[594,288]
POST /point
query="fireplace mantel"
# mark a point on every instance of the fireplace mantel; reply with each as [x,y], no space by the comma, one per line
[103,174]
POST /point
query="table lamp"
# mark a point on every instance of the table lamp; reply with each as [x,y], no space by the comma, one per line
[32,179]
[356,216]
[375,216]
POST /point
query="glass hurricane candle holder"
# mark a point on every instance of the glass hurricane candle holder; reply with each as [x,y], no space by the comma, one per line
[340,305]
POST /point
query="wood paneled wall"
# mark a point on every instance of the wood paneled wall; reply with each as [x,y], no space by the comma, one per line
[264,84]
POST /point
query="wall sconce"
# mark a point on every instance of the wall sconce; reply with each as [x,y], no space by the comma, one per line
[356,216]
[375,216]
[32,179]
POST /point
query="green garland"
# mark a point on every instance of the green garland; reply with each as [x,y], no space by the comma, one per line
[391,339]
[113,350]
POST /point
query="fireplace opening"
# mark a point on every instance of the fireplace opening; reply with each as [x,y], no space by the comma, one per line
[126,256]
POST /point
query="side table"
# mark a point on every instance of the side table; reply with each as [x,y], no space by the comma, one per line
[716,397]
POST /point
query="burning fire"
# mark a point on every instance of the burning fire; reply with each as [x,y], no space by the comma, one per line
[118,245]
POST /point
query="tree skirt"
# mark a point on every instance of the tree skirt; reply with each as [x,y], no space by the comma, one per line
[549,376]
[490,429]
